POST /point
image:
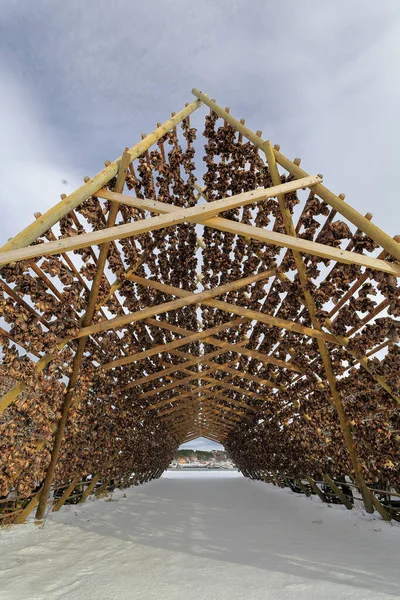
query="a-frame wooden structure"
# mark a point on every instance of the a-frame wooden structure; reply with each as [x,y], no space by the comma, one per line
[242,301]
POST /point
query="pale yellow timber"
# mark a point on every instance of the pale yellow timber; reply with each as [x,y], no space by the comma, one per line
[193,214]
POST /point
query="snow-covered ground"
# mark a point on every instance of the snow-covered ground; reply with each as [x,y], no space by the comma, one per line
[202,536]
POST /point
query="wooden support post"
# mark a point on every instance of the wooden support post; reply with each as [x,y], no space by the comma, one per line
[338,492]
[322,346]
[66,494]
[316,488]
[22,516]
[278,479]
[89,488]
[102,489]
[303,487]
[380,508]
[87,319]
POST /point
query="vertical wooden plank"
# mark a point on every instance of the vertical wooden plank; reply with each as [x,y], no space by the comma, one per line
[66,495]
[87,319]
[89,488]
[338,492]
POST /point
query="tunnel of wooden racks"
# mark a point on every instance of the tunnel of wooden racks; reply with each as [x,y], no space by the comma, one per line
[232,297]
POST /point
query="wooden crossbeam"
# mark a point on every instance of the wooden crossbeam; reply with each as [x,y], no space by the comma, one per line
[190,407]
[192,393]
[193,337]
[186,298]
[234,388]
[173,368]
[218,383]
[243,375]
[213,421]
[173,384]
[225,367]
[193,214]
[216,417]
[227,399]
[253,315]
[224,384]
[179,426]
[214,437]
[230,421]
[229,411]
[267,236]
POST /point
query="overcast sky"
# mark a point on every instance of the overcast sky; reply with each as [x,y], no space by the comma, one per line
[82,80]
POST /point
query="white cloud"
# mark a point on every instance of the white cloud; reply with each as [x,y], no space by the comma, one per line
[201,444]
[33,166]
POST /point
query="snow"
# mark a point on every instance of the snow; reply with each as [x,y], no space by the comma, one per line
[202,536]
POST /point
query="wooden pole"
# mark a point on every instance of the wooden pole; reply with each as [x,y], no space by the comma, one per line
[87,319]
[316,488]
[89,489]
[338,492]
[22,516]
[60,502]
[192,214]
[260,234]
[303,487]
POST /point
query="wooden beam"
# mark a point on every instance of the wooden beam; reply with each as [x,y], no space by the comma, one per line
[231,403]
[227,411]
[338,492]
[203,298]
[34,501]
[53,215]
[173,368]
[178,398]
[214,425]
[224,367]
[243,375]
[172,385]
[322,346]
[193,214]
[77,361]
[371,230]
[193,337]
[66,494]
[266,236]
[186,298]
[89,488]
[234,388]
[216,419]
[316,488]
[189,406]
